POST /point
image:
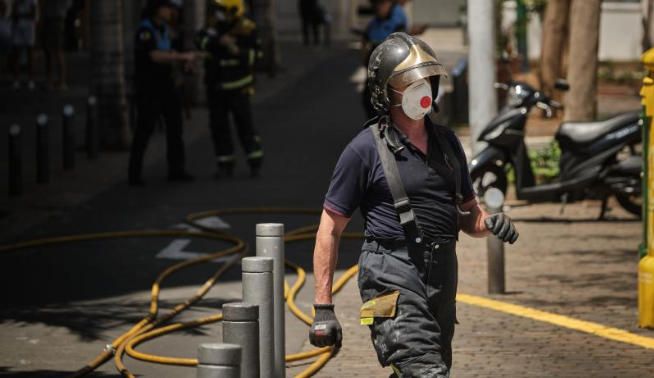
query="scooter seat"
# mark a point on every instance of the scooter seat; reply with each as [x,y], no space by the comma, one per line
[584,132]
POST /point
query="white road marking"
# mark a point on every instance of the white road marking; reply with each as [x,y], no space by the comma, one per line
[215,223]
[175,251]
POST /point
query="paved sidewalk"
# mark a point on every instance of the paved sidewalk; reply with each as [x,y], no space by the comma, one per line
[69,189]
[566,264]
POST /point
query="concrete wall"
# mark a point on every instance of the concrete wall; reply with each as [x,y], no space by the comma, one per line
[437,12]
[621,31]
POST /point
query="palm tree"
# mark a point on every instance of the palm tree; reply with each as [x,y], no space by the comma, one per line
[555,33]
[108,71]
[581,101]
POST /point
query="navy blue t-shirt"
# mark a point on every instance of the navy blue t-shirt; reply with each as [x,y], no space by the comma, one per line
[359,182]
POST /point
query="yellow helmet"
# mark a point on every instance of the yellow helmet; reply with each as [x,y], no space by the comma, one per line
[232,7]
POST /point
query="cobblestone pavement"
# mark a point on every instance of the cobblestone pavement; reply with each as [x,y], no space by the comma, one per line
[566,264]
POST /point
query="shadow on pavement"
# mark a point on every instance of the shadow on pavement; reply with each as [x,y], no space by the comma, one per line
[5,372]
[90,321]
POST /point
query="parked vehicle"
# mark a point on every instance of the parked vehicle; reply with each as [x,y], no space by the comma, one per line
[598,159]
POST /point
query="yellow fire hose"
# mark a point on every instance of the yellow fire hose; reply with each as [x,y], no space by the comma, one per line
[239,247]
[146,329]
[324,353]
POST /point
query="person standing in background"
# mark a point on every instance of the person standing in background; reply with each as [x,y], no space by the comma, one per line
[5,31]
[156,94]
[313,15]
[233,47]
[23,16]
[53,14]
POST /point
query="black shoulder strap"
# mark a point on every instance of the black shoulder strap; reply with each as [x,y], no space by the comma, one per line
[400,198]
[452,160]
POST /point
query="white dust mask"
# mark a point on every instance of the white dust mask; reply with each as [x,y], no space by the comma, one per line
[416,99]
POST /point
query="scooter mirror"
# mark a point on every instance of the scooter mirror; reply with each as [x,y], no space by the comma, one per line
[562,84]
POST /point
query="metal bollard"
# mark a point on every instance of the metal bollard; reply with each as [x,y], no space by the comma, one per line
[270,243]
[92,139]
[219,361]
[15,161]
[42,149]
[494,200]
[241,327]
[68,137]
[258,290]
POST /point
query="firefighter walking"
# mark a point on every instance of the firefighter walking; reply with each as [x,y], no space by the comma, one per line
[233,48]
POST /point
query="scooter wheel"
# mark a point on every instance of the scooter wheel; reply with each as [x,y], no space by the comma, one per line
[631,203]
[489,177]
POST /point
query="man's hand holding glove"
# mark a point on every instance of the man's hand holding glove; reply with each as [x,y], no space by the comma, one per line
[502,227]
[325,330]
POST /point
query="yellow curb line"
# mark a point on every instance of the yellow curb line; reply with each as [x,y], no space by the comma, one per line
[559,320]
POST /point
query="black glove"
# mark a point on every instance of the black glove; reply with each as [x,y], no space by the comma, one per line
[325,330]
[502,226]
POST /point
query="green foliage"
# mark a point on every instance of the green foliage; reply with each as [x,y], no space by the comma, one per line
[611,72]
[536,6]
[545,162]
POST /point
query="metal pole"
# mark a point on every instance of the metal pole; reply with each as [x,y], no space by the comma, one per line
[494,200]
[219,361]
[68,137]
[270,243]
[258,290]
[91,128]
[482,98]
[241,327]
[42,149]
[15,161]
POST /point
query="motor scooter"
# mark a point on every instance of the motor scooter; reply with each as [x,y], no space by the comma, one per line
[598,159]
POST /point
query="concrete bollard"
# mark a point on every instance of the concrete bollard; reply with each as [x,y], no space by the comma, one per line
[15,161]
[241,327]
[494,200]
[258,290]
[42,149]
[92,137]
[219,361]
[68,137]
[270,243]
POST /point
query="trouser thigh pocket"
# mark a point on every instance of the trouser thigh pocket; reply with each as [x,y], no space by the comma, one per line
[382,306]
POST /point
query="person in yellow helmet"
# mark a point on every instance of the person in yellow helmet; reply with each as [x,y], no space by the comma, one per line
[233,48]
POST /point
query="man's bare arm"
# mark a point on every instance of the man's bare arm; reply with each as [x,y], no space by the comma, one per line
[325,254]
[473,223]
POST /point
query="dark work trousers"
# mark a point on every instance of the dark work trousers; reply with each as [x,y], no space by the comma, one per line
[310,28]
[222,103]
[151,108]
[417,342]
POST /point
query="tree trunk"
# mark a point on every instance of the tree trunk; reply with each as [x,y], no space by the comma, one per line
[555,32]
[108,71]
[581,101]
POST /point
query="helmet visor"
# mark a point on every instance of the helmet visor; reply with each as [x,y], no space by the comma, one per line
[404,79]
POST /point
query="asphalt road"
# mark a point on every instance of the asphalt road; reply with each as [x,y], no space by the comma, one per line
[60,305]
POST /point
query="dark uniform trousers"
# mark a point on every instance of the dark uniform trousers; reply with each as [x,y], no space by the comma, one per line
[236,102]
[417,342]
[150,108]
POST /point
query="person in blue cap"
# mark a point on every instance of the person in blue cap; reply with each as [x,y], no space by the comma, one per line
[156,96]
